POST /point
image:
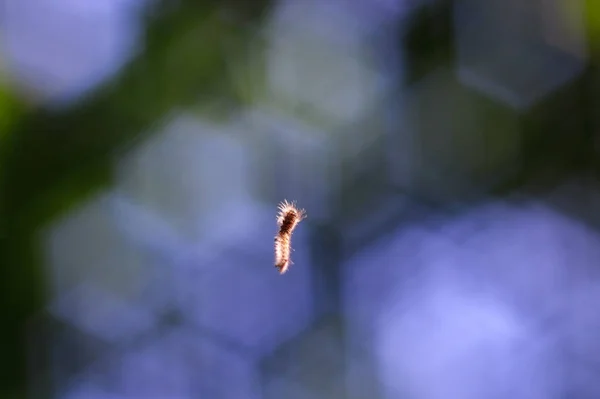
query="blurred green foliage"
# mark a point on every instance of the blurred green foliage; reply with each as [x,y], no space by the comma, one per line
[592,20]
[11,109]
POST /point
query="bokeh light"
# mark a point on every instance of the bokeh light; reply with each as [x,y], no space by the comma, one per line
[446,153]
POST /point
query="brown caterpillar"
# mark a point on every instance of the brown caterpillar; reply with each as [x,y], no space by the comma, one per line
[288,218]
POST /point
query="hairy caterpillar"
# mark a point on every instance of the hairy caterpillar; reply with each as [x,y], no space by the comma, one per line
[288,218]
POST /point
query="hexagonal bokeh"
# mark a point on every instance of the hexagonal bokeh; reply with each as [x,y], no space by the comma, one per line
[239,295]
[318,60]
[481,349]
[293,160]
[450,143]
[98,281]
[519,52]
[296,158]
[180,235]
[490,301]
[317,369]
[359,233]
[223,274]
[48,44]
[227,371]
[164,285]
[194,175]
[180,363]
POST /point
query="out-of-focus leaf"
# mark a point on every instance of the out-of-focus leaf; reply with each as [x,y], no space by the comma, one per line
[592,17]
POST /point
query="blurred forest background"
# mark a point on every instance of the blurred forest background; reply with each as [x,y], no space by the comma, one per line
[446,152]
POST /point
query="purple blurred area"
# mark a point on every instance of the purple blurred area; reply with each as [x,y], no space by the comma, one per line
[56,51]
[444,150]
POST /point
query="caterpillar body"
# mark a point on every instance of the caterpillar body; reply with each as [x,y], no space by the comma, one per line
[287,219]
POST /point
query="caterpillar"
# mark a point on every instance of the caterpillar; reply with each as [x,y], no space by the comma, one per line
[287,219]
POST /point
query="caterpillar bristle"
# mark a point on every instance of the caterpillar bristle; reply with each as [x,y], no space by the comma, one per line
[288,218]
